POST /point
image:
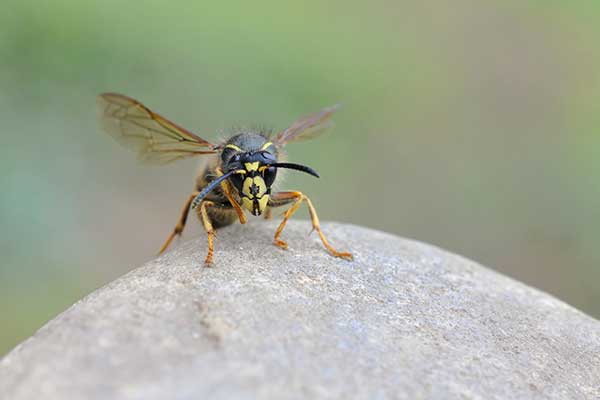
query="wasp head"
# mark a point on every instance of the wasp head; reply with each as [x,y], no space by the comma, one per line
[253,174]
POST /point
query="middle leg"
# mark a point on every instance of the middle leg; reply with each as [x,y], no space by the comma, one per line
[210,231]
[296,198]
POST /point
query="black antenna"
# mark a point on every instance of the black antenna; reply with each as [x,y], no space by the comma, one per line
[297,167]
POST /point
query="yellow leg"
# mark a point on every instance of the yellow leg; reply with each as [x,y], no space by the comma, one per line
[268,213]
[210,232]
[297,198]
[180,224]
[227,189]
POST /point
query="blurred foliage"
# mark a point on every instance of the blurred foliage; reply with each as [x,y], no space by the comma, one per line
[470,125]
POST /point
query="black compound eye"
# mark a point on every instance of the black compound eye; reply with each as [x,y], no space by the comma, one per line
[229,155]
[237,180]
[233,162]
[269,175]
[268,157]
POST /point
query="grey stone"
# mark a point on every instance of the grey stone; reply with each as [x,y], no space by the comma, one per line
[404,320]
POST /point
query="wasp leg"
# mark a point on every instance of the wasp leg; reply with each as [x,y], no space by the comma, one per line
[296,198]
[268,213]
[180,224]
[227,189]
[210,232]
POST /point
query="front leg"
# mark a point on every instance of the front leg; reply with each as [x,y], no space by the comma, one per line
[296,198]
[227,190]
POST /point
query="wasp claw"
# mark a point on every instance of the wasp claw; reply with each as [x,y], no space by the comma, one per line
[345,256]
[281,244]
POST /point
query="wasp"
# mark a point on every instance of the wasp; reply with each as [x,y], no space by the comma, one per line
[238,175]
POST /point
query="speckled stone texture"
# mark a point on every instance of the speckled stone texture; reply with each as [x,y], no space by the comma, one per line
[405,320]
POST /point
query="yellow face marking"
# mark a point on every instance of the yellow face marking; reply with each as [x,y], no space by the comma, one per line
[246,188]
[254,194]
[262,188]
[262,203]
[247,204]
[233,146]
[254,187]
[251,166]
[266,145]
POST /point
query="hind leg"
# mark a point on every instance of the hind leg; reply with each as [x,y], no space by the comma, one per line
[296,198]
[180,224]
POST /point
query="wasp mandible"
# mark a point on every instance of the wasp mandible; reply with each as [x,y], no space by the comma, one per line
[237,177]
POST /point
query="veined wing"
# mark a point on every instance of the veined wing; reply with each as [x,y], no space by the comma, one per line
[307,127]
[156,139]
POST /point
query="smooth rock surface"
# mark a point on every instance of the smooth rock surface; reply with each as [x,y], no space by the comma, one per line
[405,320]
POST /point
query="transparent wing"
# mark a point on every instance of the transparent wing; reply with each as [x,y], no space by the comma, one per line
[307,127]
[156,139]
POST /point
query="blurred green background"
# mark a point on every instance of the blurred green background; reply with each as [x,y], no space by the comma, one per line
[471,125]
